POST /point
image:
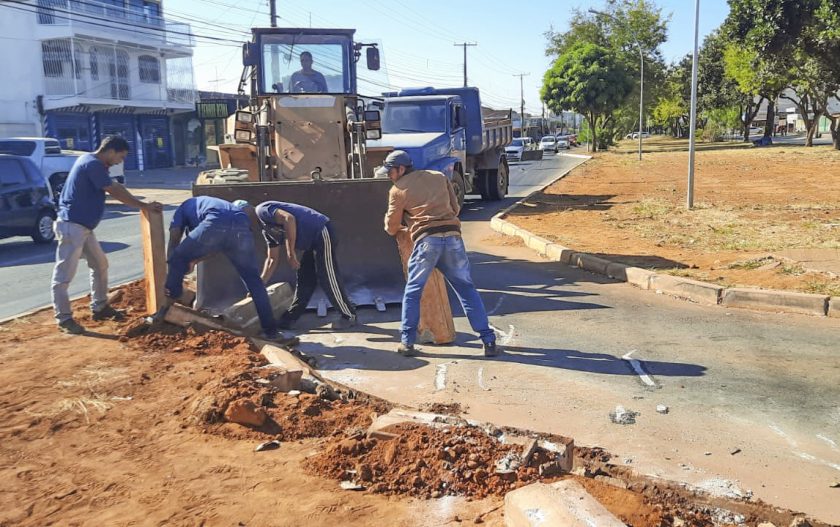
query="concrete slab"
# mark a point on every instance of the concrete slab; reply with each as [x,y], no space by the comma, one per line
[769,300]
[834,307]
[822,260]
[558,253]
[244,314]
[538,244]
[564,503]
[590,263]
[639,277]
[693,290]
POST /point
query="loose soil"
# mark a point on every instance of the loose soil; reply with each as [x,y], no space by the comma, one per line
[750,203]
[112,429]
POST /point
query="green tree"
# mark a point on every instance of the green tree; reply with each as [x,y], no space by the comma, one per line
[589,79]
[804,35]
[622,26]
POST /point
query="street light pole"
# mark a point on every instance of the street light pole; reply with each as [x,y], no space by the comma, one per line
[521,103]
[641,96]
[693,120]
[641,76]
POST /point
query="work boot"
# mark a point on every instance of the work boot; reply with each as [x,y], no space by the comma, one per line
[491,350]
[280,339]
[109,313]
[344,322]
[71,326]
[407,350]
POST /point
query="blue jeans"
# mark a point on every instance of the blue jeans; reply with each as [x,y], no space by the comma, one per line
[449,256]
[232,238]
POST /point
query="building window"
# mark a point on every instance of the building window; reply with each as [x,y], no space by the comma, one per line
[55,54]
[94,64]
[149,69]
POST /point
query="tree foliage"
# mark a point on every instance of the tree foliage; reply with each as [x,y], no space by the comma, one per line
[589,79]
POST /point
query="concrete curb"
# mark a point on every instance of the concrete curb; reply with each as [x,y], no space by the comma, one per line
[682,288]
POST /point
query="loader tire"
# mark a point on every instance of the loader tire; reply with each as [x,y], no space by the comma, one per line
[459,186]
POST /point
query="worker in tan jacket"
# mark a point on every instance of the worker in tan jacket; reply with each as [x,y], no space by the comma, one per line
[424,203]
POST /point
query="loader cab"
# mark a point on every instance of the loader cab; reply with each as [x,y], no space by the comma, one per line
[307,61]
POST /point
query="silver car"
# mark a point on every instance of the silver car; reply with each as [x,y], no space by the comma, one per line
[514,150]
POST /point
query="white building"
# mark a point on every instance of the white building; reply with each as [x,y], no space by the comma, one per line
[79,70]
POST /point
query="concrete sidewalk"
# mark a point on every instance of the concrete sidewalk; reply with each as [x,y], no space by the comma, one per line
[163,178]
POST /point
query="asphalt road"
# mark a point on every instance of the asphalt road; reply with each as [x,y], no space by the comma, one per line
[754,403]
[26,268]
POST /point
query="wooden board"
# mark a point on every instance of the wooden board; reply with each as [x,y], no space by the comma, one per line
[154,258]
[436,324]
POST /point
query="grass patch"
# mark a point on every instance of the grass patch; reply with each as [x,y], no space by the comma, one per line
[749,265]
[793,269]
[820,286]
[652,209]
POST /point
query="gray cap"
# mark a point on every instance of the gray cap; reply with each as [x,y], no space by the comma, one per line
[397,158]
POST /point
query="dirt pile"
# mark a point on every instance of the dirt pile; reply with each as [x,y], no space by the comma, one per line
[170,338]
[432,462]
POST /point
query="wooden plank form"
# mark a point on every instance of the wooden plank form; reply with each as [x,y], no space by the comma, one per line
[154,258]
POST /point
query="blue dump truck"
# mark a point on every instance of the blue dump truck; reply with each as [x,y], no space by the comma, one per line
[444,130]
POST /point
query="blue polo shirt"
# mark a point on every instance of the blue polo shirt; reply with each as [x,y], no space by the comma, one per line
[309,223]
[195,210]
[82,199]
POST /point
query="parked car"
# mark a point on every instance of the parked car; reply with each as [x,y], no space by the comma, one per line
[563,142]
[515,149]
[27,207]
[548,143]
[53,162]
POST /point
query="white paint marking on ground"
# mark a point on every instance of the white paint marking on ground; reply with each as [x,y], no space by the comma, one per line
[481,380]
[809,457]
[497,306]
[831,443]
[782,434]
[506,337]
[440,375]
[637,367]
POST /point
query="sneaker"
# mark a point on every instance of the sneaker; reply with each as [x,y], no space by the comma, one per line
[108,313]
[71,326]
[281,339]
[491,350]
[407,350]
[344,323]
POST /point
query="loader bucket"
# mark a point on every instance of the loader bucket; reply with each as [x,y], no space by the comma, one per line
[368,258]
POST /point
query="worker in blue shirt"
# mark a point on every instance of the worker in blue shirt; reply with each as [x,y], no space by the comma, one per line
[80,209]
[298,228]
[213,226]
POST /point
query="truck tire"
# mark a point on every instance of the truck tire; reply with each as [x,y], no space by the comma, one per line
[42,231]
[493,184]
[459,186]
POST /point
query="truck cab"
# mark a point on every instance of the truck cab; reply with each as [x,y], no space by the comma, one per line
[444,130]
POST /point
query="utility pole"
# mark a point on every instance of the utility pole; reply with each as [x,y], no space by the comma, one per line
[692,131]
[521,103]
[273,5]
[465,44]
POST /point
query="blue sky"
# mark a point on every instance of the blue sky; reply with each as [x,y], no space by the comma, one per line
[417,37]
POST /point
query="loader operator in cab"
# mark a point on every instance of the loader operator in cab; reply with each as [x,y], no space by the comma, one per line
[307,80]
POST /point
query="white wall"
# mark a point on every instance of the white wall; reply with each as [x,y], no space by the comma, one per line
[22,65]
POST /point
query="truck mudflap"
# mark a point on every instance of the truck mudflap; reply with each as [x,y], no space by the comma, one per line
[368,258]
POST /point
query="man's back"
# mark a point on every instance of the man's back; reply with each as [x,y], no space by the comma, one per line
[426,202]
[82,200]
